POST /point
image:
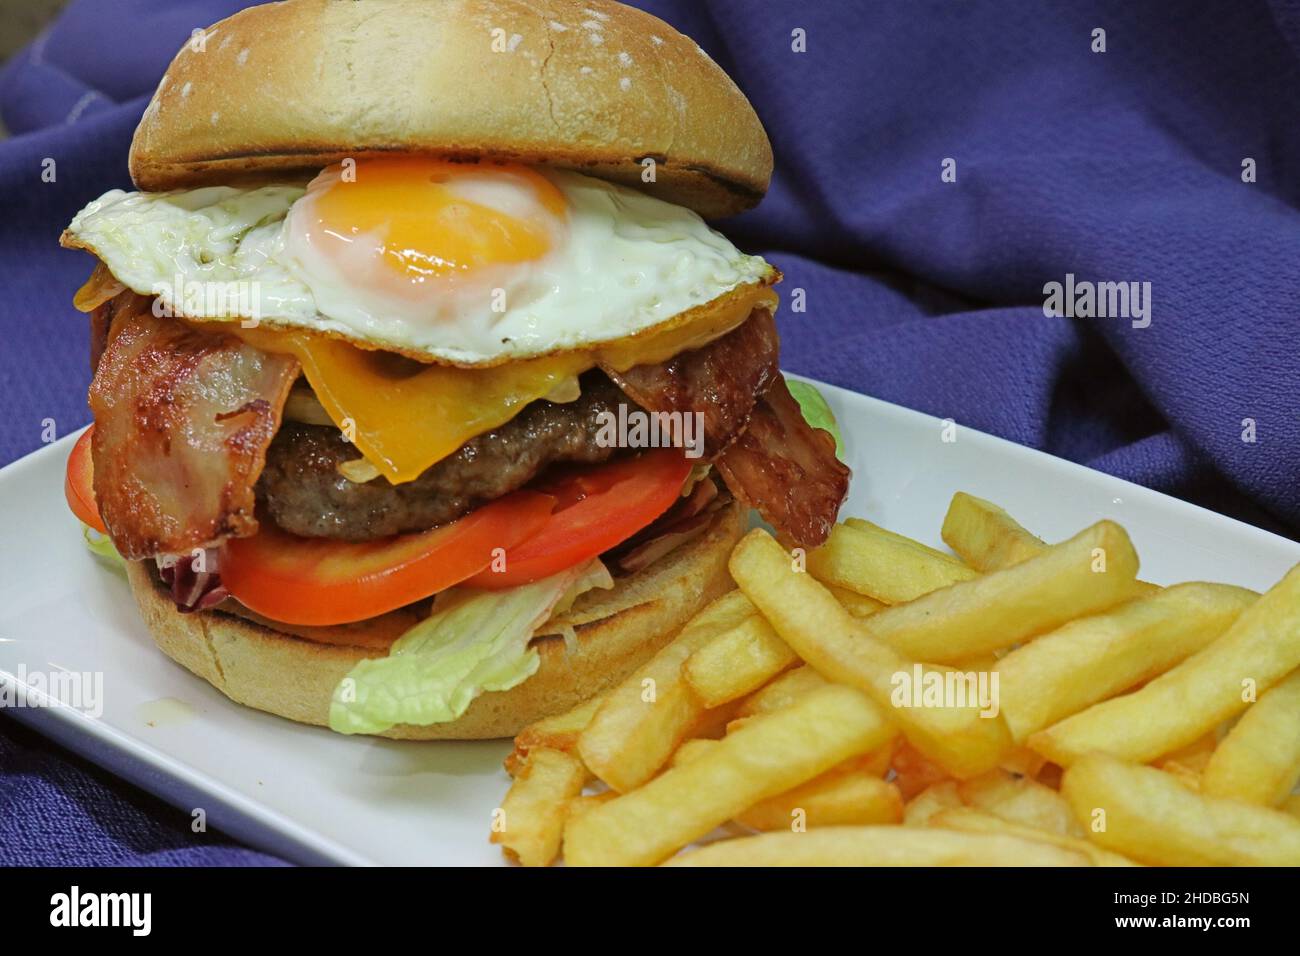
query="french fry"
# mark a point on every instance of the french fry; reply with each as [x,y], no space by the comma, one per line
[1259,760]
[985,536]
[976,821]
[1021,801]
[1093,571]
[851,792]
[874,762]
[923,807]
[882,846]
[782,691]
[768,756]
[836,798]
[535,807]
[1260,648]
[859,605]
[1096,657]
[820,631]
[692,750]
[555,733]
[989,539]
[853,700]
[737,662]
[883,565]
[862,524]
[581,804]
[641,721]
[1148,816]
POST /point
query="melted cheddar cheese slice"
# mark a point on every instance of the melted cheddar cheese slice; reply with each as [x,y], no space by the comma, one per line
[404,416]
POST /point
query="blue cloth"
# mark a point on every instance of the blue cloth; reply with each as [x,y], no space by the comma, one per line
[1123,165]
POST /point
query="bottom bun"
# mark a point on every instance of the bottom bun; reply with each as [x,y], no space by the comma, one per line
[261,667]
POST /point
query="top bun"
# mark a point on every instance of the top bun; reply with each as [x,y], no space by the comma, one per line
[589,85]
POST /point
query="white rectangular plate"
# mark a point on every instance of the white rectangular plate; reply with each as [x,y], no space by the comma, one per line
[313,796]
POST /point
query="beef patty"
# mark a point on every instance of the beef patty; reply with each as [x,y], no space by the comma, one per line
[302,491]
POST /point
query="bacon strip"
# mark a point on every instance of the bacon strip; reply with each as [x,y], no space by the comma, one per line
[101,317]
[722,380]
[769,456]
[787,470]
[183,419]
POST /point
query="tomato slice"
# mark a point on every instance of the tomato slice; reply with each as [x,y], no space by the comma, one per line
[317,581]
[79,483]
[596,508]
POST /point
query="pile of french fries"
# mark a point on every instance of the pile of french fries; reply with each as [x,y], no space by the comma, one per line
[1128,724]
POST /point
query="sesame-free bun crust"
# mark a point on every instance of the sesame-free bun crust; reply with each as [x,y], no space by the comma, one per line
[589,85]
[264,668]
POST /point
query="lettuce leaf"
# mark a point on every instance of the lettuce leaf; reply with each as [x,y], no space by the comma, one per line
[101,546]
[816,412]
[474,641]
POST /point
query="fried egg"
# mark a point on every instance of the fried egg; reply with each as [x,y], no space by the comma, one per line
[464,264]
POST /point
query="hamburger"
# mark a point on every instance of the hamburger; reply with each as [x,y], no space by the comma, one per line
[425,402]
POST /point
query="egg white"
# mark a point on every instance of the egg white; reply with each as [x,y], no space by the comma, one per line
[626,262]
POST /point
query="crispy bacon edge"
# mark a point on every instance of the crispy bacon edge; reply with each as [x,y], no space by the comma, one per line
[787,470]
[722,380]
[755,433]
[183,419]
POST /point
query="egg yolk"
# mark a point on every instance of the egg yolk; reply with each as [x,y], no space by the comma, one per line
[428,219]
